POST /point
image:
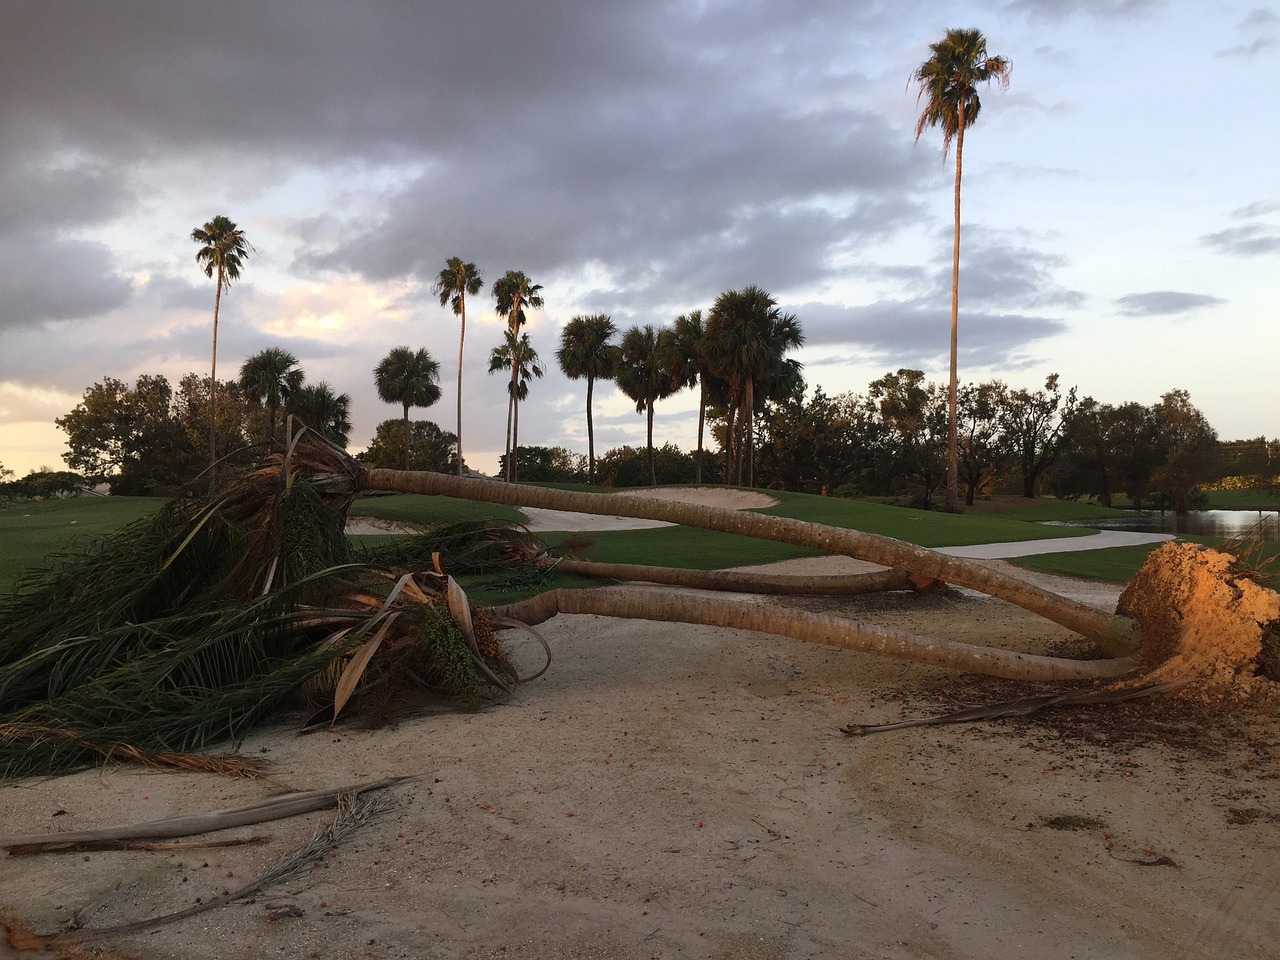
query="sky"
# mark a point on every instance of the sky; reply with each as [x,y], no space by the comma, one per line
[1121,209]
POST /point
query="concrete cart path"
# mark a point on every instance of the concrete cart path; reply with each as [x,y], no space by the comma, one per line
[1027,548]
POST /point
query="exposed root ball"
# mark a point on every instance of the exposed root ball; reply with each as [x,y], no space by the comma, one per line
[1204,619]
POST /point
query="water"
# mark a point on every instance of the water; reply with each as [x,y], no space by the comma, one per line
[1223,524]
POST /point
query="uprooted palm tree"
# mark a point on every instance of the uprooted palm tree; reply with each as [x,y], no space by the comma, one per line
[190,626]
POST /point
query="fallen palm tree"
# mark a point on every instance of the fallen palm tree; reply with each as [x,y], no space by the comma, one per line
[185,629]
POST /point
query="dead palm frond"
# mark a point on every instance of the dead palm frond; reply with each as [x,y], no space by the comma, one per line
[187,628]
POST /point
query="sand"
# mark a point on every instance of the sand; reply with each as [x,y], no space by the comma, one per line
[679,791]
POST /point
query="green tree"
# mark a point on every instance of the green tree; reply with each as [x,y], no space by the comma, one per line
[747,339]
[641,377]
[517,354]
[1034,427]
[514,293]
[131,437]
[982,454]
[324,411]
[913,412]
[682,354]
[430,448]
[1190,451]
[586,351]
[457,281]
[410,378]
[549,465]
[271,377]
[948,83]
[223,250]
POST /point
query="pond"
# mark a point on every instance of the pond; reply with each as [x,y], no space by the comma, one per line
[1197,523]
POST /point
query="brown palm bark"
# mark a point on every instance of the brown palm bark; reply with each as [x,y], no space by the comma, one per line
[817,628]
[1118,636]
[741,581]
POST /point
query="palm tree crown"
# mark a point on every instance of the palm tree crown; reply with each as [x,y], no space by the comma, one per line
[456,282]
[223,250]
[586,351]
[640,376]
[747,337]
[949,80]
[271,376]
[514,292]
[409,378]
[322,410]
[517,353]
[948,87]
[682,355]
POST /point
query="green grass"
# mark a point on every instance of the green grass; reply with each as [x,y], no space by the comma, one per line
[428,511]
[1119,564]
[32,530]
[29,532]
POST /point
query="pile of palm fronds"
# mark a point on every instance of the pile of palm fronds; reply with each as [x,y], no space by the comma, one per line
[184,629]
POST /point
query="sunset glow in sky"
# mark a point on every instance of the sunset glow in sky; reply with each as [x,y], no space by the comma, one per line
[1121,207]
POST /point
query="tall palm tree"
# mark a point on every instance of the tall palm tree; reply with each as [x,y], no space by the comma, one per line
[409,378]
[326,412]
[456,282]
[948,83]
[517,354]
[223,251]
[682,355]
[514,293]
[640,376]
[272,376]
[747,338]
[586,351]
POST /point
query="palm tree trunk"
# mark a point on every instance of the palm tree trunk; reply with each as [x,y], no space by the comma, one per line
[511,400]
[729,435]
[513,414]
[462,334]
[750,429]
[406,436]
[515,441]
[1117,635]
[591,435]
[743,581]
[213,376]
[702,416]
[653,476]
[840,632]
[952,504]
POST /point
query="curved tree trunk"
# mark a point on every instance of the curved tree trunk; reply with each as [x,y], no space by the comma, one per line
[1119,636]
[811,627]
[742,581]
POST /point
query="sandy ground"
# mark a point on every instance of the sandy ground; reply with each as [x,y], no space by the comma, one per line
[679,791]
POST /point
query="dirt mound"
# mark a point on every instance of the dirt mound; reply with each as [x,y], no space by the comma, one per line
[1204,619]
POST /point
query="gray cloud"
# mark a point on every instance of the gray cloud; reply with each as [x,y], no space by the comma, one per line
[46,278]
[1160,303]
[1248,240]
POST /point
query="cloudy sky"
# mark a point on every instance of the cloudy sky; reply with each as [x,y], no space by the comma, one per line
[1121,205]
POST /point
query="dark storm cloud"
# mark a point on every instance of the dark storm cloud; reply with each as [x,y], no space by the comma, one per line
[672,150]
[1159,303]
[87,283]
